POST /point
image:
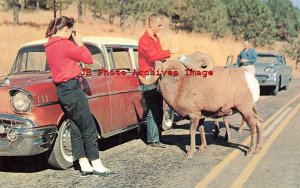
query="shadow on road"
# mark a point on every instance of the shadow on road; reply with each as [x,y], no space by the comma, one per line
[182,141]
[38,163]
[26,164]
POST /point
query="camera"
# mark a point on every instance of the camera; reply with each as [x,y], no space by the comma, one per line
[71,37]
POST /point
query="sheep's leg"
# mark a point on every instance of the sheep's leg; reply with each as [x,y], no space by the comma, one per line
[228,134]
[242,125]
[202,135]
[251,121]
[255,113]
[217,128]
[194,124]
[260,139]
[259,127]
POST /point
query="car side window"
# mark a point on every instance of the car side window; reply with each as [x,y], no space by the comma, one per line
[119,58]
[98,59]
[32,59]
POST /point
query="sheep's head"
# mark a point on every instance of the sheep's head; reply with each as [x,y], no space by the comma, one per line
[198,60]
[170,68]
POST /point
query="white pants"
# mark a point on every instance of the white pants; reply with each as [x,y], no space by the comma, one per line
[250,69]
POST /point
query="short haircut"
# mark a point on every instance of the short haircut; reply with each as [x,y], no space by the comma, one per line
[152,18]
[247,39]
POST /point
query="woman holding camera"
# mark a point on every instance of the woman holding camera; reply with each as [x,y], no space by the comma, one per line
[63,56]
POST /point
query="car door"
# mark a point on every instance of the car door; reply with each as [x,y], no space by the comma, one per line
[284,71]
[124,87]
[97,90]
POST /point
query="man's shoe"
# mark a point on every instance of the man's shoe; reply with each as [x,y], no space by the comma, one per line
[104,174]
[157,144]
[85,173]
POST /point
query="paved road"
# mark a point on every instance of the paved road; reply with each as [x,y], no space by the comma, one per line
[223,164]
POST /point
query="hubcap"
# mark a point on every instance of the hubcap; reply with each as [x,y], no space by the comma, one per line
[65,141]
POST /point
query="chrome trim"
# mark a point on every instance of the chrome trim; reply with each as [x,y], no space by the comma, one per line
[28,142]
[112,93]
[15,118]
[92,96]
[46,104]
[109,134]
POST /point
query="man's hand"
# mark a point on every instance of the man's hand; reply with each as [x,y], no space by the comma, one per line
[77,38]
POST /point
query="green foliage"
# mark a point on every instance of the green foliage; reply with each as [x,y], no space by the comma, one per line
[263,21]
[286,17]
[142,9]
[293,48]
[251,19]
[201,16]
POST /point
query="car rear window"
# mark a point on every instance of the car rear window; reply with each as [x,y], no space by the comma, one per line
[119,58]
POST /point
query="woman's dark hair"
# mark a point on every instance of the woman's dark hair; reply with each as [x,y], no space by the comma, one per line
[58,24]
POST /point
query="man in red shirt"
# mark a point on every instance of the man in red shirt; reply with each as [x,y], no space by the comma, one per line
[149,51]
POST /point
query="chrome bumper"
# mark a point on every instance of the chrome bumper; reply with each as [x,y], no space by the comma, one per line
[266,80]
[20,137]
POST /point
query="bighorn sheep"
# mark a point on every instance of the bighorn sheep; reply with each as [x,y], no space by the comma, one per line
[199,97]
[202,61]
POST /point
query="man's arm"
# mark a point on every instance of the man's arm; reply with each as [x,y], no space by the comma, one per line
[153,54]
[253,56]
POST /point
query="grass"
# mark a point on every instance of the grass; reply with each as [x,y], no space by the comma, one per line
[34,24]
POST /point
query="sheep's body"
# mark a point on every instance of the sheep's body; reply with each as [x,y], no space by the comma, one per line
[199,97]
[201,61]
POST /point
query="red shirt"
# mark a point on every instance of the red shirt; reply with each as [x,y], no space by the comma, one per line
[149,51]
[63,57]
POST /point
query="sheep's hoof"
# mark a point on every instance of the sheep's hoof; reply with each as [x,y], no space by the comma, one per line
[202,148]
[190,153]
[250,152]
[258,148]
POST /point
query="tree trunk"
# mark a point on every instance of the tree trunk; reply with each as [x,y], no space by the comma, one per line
[80,11]
[122,17]
[60,8]
[111,19]
[54,9]
[16,9]
[37,5]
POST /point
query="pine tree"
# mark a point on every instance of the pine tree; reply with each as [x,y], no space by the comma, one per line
[251,19]
[286,18]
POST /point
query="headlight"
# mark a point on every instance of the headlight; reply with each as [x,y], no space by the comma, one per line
[269,69]
[21,102]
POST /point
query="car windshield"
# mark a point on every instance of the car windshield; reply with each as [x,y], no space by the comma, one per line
[266,59]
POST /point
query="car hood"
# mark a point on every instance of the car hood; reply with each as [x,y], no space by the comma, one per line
[260,67]
[263,65]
